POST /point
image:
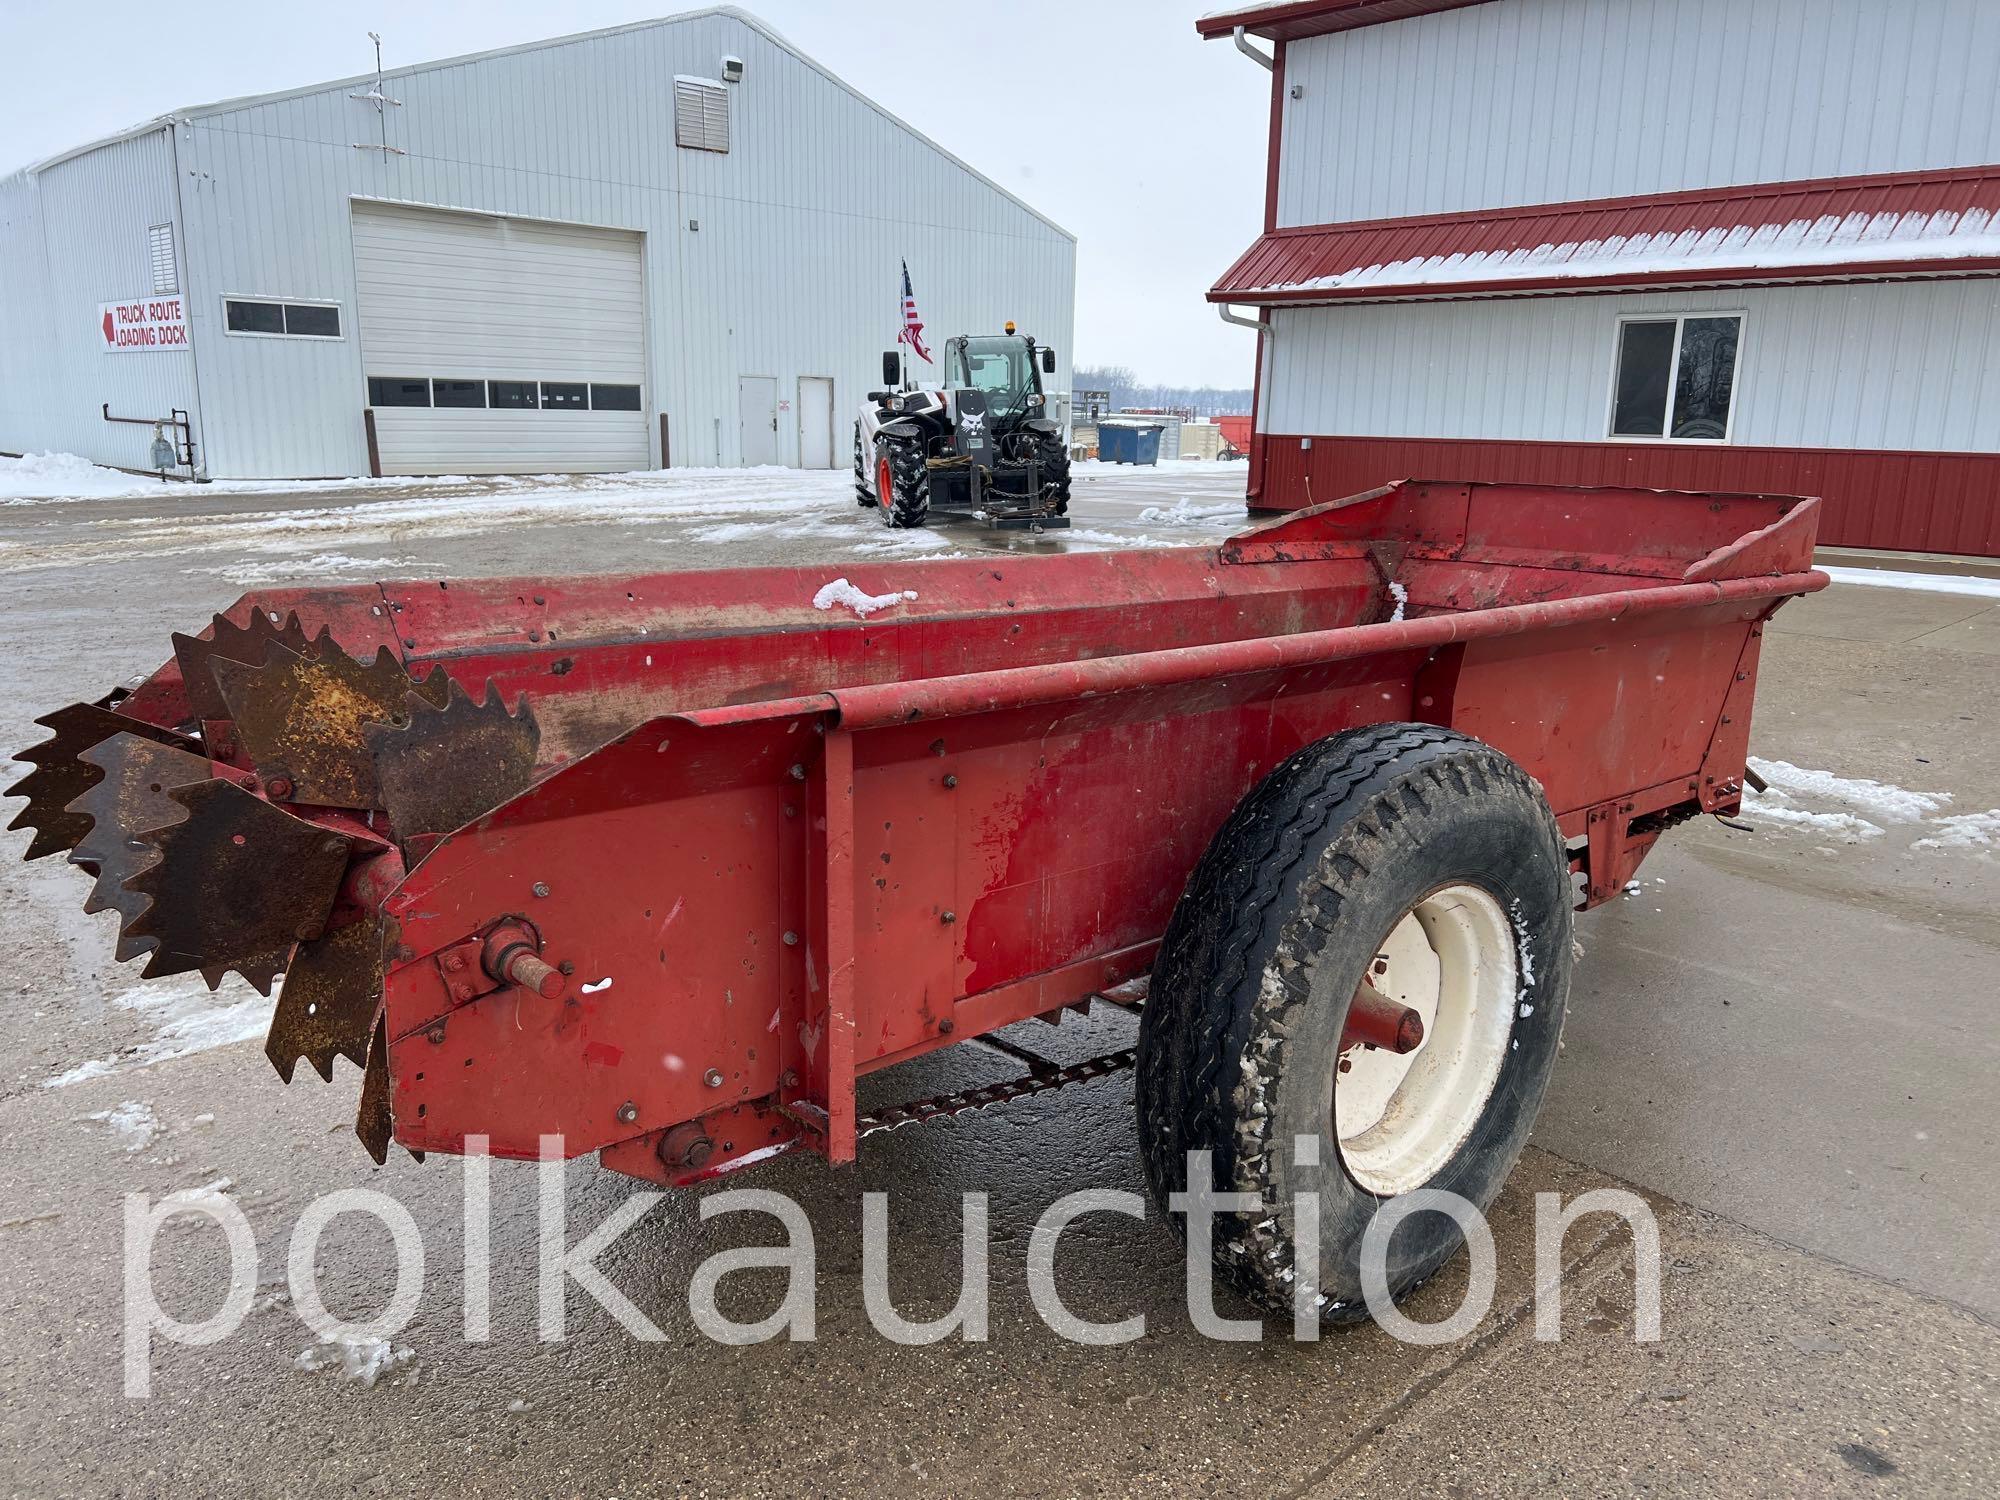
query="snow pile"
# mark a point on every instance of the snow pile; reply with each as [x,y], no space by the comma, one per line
[1932,583]
[132,1121]
[365,1360]
[1890,803]
[1402,597]
[1184,512]
[64,476]
[840,591]
[258,574]
[1973,833]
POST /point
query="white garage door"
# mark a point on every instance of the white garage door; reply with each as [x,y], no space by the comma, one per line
[500,346]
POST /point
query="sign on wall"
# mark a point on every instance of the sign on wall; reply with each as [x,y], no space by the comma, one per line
[144,324]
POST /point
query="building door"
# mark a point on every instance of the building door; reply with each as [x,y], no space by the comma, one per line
[815,422]
[500,346]
[757,414]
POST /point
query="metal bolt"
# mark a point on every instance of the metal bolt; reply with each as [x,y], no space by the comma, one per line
[713,1078]
[791,940]
[950,781]
[541,887]
[788,1079]
[454,961]
[948,918]
[627,1112]
[278,788]
[947,1026]
[435,1036]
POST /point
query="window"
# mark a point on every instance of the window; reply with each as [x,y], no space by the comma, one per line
[398,390]
[312,320]
[564,397]
[513,393]
[458,393]
[1676,377]
[160,251]
[614,398]
[299,320]
[701,114]
[254,317]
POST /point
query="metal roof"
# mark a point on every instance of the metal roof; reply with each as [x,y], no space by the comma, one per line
[1938,223]
[1288,22]
[251,101]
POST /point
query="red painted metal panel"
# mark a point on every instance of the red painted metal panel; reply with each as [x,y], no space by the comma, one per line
[1574,244]
[1905,502]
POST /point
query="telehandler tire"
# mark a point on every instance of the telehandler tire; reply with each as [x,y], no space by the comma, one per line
[902,482]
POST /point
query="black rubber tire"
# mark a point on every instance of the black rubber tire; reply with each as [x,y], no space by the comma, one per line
[1054,462]
[909,480]
[864,485]
[1279,921]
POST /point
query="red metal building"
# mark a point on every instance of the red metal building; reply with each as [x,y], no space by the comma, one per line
[1697,244]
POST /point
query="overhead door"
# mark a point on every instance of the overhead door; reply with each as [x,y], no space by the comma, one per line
[500,346]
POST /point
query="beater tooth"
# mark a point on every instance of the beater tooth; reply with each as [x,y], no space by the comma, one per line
[444,765]
[373,1122]
[328,1005]
[232,883]
[228,641]
[62,774]
[300,716]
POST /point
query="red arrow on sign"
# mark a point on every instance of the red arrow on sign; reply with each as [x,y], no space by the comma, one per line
[107,329]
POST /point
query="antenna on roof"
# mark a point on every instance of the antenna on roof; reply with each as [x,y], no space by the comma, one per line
[382,102]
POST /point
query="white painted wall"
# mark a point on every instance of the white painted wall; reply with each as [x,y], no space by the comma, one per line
[1896,365]
[1548,101]
[793,271]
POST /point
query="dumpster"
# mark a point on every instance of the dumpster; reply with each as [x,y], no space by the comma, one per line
[658,866]
[1123,440]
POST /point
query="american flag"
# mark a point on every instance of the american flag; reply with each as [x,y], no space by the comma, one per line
[913,326]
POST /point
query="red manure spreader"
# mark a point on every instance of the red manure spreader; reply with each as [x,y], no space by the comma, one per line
[663,863]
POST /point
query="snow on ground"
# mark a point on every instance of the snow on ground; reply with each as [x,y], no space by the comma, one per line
[1892,804]
[132,1121]
[256,575]
[1933,583]
[64,476]
[185,1019]
[1976,833]
[359,1359]
[1776,807]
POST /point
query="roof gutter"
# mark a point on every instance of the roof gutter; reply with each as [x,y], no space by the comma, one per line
[1243,45]
[1229,315]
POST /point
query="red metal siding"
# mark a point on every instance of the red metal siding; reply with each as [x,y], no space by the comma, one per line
[1906,502]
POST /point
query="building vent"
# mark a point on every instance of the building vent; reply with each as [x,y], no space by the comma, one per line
[701,114]
[160,250]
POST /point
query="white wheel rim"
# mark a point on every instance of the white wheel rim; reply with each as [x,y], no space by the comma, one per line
[1399,1117]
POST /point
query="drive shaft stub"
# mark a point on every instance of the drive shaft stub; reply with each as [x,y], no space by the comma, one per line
[509,955]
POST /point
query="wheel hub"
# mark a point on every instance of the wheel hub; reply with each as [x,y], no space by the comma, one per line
[1400,1116]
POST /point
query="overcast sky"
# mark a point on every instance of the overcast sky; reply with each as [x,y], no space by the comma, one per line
[1144,142]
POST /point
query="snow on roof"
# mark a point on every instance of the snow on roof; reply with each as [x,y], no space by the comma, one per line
[1936,223]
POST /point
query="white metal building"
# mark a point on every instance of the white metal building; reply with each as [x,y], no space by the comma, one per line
[674,242]
[1701,244]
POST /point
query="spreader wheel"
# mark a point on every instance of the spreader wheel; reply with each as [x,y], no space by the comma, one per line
[1359,995]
